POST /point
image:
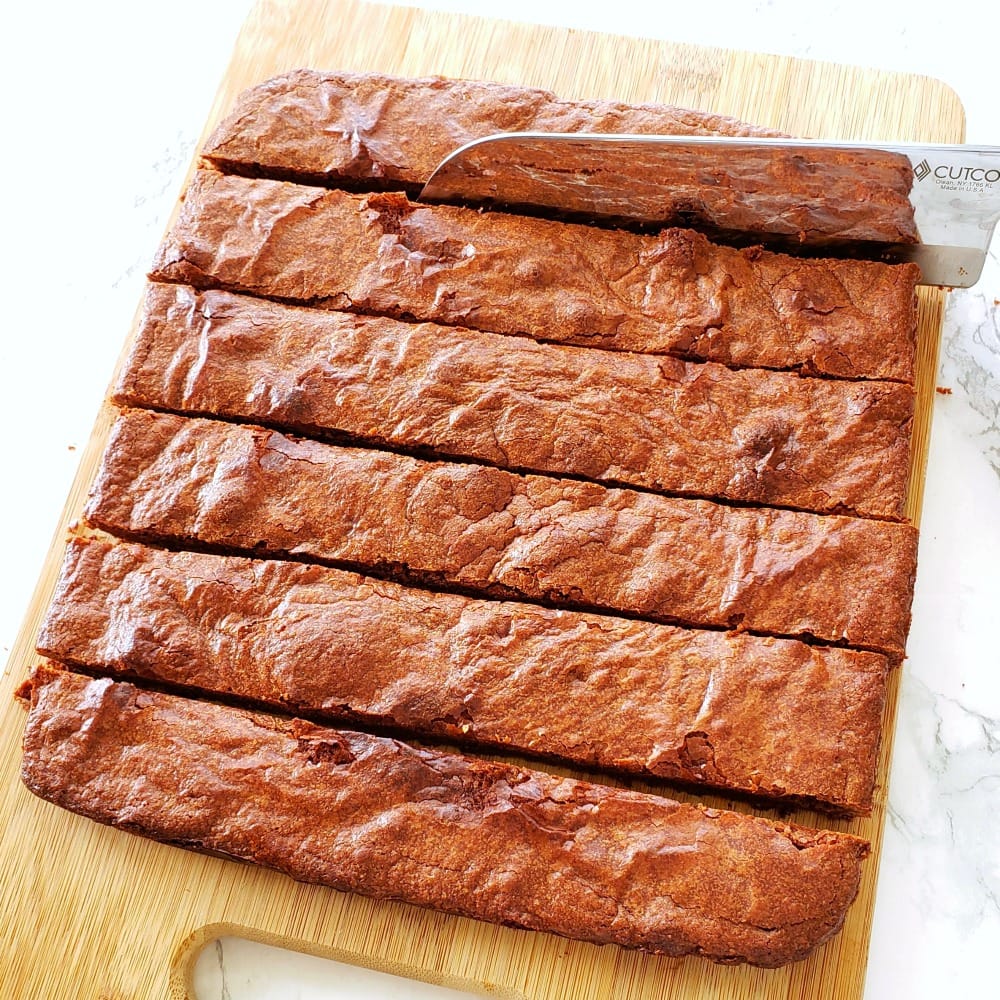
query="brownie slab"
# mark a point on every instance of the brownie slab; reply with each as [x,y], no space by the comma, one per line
[195,482]
[480,839]
[394,130]
[382,132]
[698,430]
[674,293]
[771,717]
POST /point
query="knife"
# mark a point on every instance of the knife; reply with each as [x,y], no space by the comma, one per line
[934,205]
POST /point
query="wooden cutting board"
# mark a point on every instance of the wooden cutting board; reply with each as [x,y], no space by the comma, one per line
[90,912]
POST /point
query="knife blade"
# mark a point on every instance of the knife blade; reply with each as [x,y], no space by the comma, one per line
[935,205]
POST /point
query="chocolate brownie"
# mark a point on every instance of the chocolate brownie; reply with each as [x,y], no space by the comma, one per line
[367,127]
[375,132]
[196,482]
[673,293]
[480,839]
[660,423]
[740,713]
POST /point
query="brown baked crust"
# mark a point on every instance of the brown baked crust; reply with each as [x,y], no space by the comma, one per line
[745,714]
[480,839]
[698,430]
[337,127]
[195,482]
[674,293]
[378,132]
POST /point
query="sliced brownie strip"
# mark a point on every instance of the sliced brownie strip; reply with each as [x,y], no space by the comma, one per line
[739,713]
[338,127]
[201,482]
[674,293]
[480,839]
[691,429]
[379,132]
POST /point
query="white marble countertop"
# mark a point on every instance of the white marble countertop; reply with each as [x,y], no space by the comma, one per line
[100,126]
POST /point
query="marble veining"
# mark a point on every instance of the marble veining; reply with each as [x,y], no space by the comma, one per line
[222,972]
[970,357]
[960,749]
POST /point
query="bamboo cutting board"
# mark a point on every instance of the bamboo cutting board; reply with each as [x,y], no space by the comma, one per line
[88,912]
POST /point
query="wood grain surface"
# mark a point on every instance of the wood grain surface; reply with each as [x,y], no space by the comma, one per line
[86,911]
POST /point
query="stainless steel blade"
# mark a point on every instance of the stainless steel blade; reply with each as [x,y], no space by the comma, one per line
[932,204]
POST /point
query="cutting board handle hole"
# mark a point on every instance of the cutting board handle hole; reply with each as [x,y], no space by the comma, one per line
[227,963]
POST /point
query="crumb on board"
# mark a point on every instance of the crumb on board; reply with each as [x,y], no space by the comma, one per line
[943,390]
